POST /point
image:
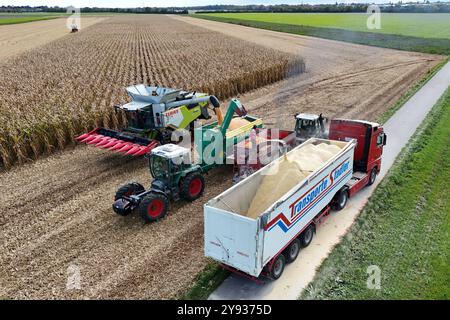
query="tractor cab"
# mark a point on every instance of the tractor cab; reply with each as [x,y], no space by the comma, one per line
[309,126]
[167,162]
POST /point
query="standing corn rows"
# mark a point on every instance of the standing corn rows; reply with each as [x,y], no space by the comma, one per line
[50,94]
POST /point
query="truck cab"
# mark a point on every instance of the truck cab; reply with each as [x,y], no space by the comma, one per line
[371,139]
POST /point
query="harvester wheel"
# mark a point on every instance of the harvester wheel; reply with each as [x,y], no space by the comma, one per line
[154,206]
[192,186]
[129,189]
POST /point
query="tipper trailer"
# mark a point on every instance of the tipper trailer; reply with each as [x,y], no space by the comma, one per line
[264,244]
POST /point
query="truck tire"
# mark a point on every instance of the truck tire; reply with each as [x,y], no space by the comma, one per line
[153,207]
[340,200]
[292,251]
[372,177]
[129,189]
[278,267]
[192,186]
[306,236]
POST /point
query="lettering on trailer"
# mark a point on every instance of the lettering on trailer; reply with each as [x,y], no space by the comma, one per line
[307,201]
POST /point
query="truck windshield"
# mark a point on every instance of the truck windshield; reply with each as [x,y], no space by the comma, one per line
[159,166]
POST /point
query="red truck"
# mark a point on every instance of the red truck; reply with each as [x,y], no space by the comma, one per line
[263,245]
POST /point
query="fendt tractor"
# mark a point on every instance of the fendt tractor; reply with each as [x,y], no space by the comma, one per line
[175,175]
[153,114]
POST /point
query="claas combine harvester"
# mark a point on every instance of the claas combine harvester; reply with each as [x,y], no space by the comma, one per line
[153,115]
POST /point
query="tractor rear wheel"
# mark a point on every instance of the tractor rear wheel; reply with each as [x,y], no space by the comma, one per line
[192,186]
[153,207]
[129,189]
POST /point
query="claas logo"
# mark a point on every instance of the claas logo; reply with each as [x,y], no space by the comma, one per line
[171,112]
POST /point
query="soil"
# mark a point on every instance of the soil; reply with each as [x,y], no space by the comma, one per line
[18,38]
[56,216]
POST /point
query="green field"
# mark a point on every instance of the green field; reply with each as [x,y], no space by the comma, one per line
[404,230]
[14,18]
[422,25]
[427,32]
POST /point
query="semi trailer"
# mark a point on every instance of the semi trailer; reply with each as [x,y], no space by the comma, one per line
[262,245]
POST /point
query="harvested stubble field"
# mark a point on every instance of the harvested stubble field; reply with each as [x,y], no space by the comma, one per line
[57,213]
[69,86]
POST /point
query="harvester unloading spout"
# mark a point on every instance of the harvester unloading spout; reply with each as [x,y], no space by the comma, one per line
[153,114]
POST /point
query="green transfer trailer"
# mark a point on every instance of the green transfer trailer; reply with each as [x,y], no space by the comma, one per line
[178,172]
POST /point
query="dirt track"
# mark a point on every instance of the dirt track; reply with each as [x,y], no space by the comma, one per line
[56,212]
[17,38]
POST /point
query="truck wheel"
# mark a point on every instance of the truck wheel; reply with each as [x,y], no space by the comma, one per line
[307,236]
[340,200]
[291,252]
[373,176]
[154,206]
[278,267]
[192,186]
[129,189]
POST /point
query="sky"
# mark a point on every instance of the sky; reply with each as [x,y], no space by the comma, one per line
[165,3]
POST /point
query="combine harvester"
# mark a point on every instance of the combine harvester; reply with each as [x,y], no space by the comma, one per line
[251,238]
[153,115]
[175,175]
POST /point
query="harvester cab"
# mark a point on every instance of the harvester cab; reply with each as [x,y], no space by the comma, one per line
[309,126]
[153,114]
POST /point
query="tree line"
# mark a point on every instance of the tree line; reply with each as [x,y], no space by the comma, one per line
[399,7]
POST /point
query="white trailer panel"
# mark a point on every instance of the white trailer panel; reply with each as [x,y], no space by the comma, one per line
[249,244]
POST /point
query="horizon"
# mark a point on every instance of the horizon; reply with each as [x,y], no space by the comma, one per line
[182,3]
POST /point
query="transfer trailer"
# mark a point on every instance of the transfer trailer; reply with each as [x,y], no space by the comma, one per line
[175,175]
[263,246]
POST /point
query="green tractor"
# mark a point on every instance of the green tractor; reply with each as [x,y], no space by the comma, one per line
[175,175]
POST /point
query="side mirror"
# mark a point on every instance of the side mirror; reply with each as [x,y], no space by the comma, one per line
[384,139]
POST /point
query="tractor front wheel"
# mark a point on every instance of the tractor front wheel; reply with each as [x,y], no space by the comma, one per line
[153,207]
[129,189]
[126,190]
[192,186]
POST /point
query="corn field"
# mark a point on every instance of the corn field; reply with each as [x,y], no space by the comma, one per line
[52,93]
